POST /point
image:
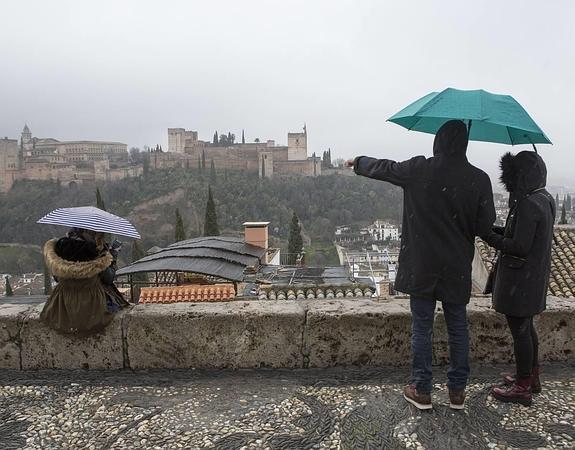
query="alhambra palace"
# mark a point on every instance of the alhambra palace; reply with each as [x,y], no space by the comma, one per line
[74,162]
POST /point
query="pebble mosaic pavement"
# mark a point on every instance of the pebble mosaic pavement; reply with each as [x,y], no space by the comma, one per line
[265,409]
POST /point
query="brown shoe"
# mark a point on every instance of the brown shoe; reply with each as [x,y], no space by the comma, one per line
[456,398]
[509,379]
[420,401]
[519,392]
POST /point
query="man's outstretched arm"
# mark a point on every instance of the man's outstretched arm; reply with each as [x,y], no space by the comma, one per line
[398,173]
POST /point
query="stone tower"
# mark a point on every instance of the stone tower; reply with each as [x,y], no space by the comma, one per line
[26,139]
[297,145]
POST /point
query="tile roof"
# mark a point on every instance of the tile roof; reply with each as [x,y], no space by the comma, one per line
[562,278]
[189,293]
[299,292]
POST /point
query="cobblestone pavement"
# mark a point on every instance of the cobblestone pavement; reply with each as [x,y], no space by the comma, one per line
[303,409]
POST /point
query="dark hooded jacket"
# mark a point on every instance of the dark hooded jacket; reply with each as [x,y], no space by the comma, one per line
[446,203]
[524,264]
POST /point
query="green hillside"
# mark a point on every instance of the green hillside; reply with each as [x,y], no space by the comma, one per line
[150,203]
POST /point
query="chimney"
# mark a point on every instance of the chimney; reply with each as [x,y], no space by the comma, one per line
[256,233]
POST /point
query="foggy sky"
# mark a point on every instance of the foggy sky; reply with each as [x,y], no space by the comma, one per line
[128,70]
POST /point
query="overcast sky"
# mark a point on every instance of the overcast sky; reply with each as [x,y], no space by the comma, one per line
[128,70]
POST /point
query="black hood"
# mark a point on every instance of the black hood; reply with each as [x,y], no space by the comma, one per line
[523,173]
[451,139]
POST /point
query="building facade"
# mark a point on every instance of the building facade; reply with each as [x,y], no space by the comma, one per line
[267,158]
[66,161]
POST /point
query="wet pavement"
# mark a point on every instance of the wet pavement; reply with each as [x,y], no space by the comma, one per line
[265,409]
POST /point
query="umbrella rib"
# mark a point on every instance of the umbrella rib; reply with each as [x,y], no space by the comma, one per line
[509,134]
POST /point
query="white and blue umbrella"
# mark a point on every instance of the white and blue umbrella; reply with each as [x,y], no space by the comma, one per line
[91,218]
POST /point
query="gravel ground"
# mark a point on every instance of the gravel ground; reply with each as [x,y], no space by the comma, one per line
[264,409]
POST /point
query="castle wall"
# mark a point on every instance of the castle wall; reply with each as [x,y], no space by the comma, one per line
[304,168]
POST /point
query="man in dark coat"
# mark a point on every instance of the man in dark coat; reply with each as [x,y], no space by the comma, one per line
[522,276]
[446,203]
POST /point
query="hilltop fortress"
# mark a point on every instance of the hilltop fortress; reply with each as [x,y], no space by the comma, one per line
[69,162]
[267,158]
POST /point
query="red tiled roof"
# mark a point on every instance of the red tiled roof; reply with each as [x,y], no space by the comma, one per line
[562,278]
[189,293]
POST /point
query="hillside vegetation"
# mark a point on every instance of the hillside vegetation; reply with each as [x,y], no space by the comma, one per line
[150,203]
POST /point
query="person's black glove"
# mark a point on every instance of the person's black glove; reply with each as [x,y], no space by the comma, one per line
[498,230]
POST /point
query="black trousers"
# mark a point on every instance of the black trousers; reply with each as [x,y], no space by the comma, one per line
[525,344]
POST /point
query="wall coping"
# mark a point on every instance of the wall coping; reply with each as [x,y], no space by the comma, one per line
[275,334]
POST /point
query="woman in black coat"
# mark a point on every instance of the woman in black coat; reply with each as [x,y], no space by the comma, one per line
[522,270]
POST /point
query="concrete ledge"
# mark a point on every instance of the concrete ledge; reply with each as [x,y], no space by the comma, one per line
[215,335]
[43,348]
[275,334]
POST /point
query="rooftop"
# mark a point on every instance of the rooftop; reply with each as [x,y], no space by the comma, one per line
[188,293]
[218,256]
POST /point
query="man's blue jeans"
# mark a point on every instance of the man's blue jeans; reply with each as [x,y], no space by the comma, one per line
[422,311]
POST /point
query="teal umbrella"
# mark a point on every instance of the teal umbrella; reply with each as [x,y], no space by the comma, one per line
[490,117]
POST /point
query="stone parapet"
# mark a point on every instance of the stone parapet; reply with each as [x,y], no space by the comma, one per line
[274,334]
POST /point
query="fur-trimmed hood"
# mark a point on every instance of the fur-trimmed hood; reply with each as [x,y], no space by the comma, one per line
[522,173]
[64,269]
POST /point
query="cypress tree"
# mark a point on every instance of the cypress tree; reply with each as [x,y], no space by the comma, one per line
[569,205]
[243,137]
[563,219]
[180,234]
[199,163]
[212,171]
[295,241]
[216,140]
[211,219]
[9,291]
[47,281]
[99,200]
[203,160]
[263,168]
[137,252]
[557,200]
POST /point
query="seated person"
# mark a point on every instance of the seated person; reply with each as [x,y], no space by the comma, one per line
[85,297]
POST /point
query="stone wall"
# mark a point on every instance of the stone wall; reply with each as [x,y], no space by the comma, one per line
[275,334]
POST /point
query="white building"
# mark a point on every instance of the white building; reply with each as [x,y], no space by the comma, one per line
[382,231]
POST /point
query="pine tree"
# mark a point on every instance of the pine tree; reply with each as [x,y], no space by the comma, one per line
[180,234]
[212,171]
[47,281]
[211,219]
[295,241]
[243,137]
[9,291]
[563,219]
[99,200]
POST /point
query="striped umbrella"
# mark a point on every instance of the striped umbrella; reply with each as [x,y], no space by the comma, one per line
[91,218]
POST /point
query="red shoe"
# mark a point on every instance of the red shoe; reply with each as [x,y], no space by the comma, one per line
[509,379]
[420,401]
[519,392]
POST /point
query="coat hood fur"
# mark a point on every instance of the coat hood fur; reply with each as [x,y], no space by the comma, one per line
[522,173]
[64,269]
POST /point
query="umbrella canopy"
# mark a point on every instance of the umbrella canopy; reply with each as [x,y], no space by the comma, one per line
[493,117]
[91,218]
